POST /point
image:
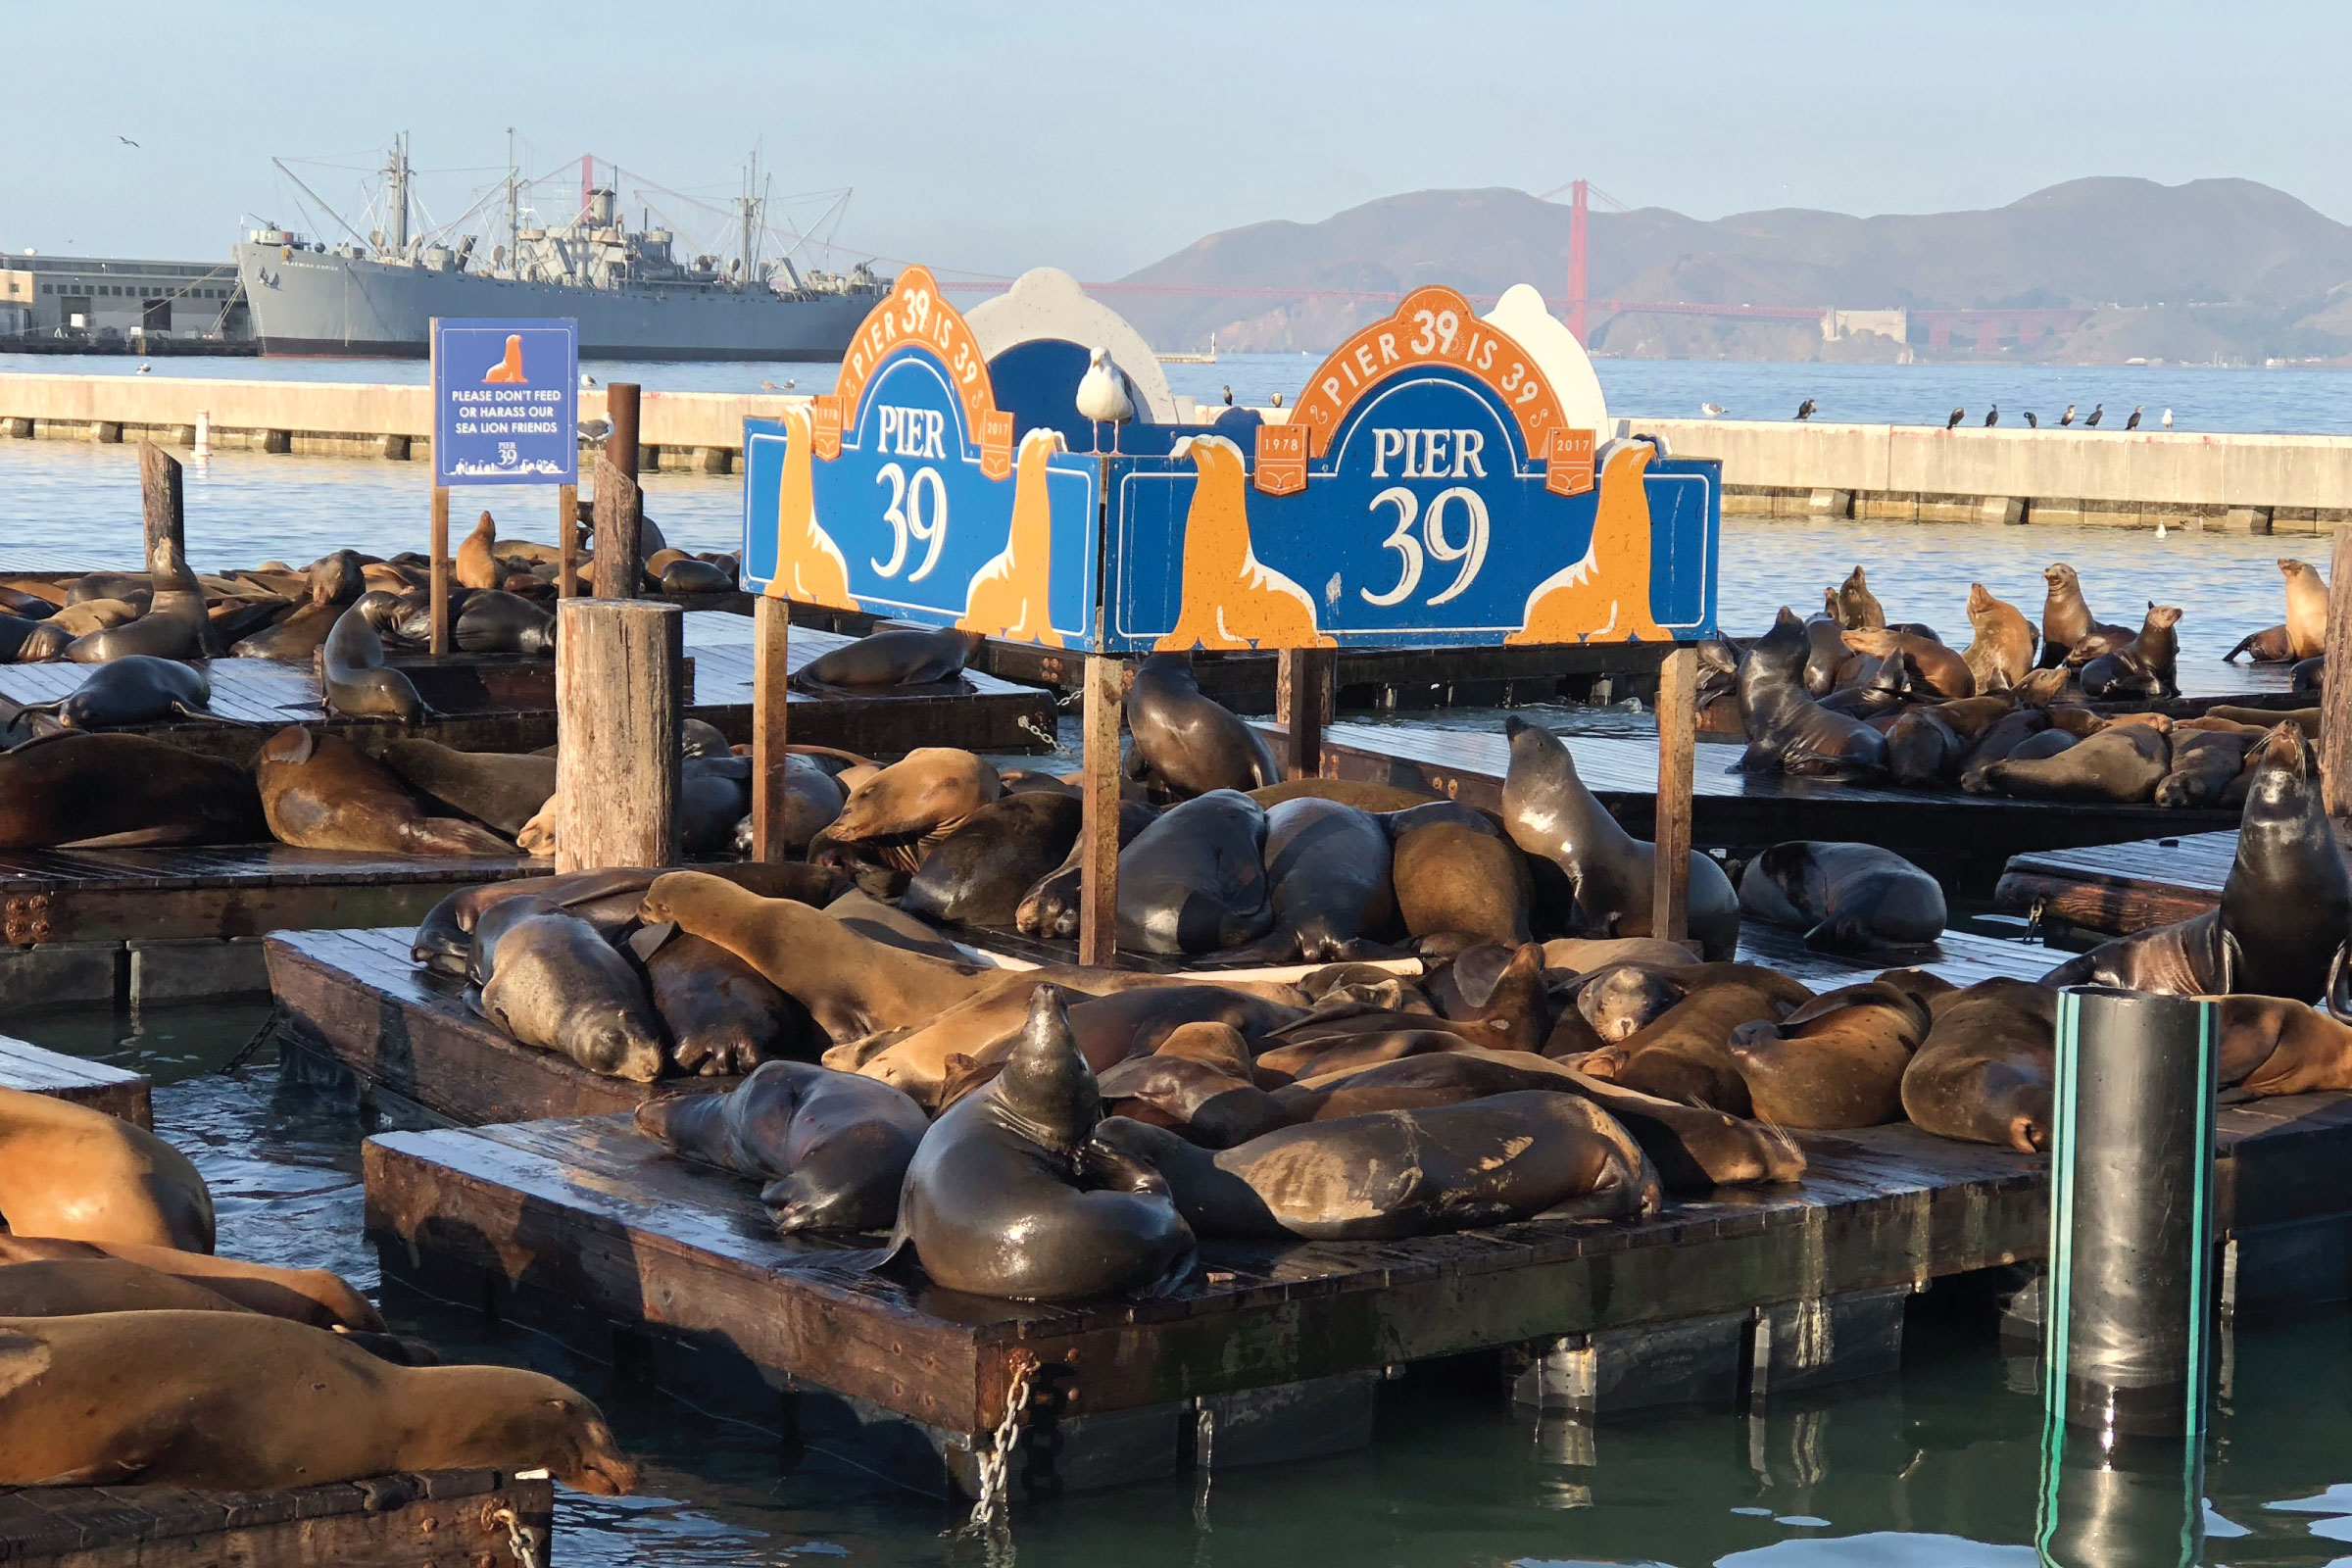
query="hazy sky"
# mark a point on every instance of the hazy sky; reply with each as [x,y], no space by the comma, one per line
[1100,137]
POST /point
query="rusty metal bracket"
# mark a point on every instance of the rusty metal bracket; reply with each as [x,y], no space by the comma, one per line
[25,920]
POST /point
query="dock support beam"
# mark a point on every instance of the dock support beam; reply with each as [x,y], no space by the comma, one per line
[617,706]
[439,604]
[162,500]
[1302,702]
[2335,696]
[568,541]
[1098,833]
[771,643]
[617,567]
[1678,735]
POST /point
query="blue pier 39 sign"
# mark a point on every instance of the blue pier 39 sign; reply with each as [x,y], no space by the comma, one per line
[506,402]
[903,492]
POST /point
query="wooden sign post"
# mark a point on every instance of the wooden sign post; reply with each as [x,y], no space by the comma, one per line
[772,698]
[1098,828]
[1303,706]
[2335,696]
[618,701]
[439,603]
[1678,734]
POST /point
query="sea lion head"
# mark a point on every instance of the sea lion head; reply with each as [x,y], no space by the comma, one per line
[619,1048]
[1047,1092]
[2163,615]
[1980,600]
[1874,641]
[2059,576]
[1781,651]
[929,788]
[558,1427]
[687,898]
[1624,1000]
[2292,568]
[337,579]
[2040,688]
[2282,764]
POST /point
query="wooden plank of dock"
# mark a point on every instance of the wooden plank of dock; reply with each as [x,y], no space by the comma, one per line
[116,1091]
[433,1519]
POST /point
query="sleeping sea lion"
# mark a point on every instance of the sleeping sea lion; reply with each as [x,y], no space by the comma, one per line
[1452,879]
[832,1148]
[1195,881]
[493,621]
[1192,743]
[551,981]
[125,790]
[321,792]
[79,1174]
[1836,1061]
[978,873]
[133,689]
[1985,1071]
[1846,897]
[902,812]
[1329,872]
[1681,1054]
[2272,1045]
[502,790]
[355,680]
[895,655]
[2121,764]
[722,1015]
[310,1295]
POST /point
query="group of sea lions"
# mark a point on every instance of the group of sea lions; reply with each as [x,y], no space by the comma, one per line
[132,1356]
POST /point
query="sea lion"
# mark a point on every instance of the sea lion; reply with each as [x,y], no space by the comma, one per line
[1328,868]
[2002,651]
[321,792]
[1193,744]
[2286,906]
[1583,954]
[1786,730]
[69,1172]
[24,640]
[2273,645]
[1111,1029]
[2272,1045]
[2306,609]
[176,625]
[1836,1061]
[553,982]
[1454,880]
[896,656]
[979,874]
[1826,652]
[2065,617]
[123,791]
[692,576]
[861,912]
[722,1015]
[2121,763]
[1618,1000]
[1519,1156]
[904,812]
[1867,687]
[97,615]
[1378,799]
[1195,881]
[1209,1102]
[105,585]
[997,1201]
[1681,1054]
[832,1148]
[174,1399]
[1985,1071]
[310,1295]
[69,1287]
[492,621]
[714,796]
[1858,609]
[1922,750]
[355,680]
[500,790]
[1935,670]
[1846,897]
[2308,675]
[2203,764]
[135,689]
[1549,814]
[2147,666]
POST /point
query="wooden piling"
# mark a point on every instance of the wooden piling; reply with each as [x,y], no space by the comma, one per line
[771,634]
[617,705]
[1098,881]
[440,582]
[1678,725]
[567,540]
[616,563]
[1303,680]
[620,407]
[2335,696]
[162,502]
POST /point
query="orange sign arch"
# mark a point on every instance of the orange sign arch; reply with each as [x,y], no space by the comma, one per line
[915,311]
[1431,325]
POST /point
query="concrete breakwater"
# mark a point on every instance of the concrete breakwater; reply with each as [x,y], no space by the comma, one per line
[2248,483]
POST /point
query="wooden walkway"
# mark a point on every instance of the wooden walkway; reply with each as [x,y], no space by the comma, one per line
[438,1519]
[115,1090]
[2122,888]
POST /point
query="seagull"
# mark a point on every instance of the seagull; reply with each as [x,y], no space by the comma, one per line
[769,386]
[2168,419]
[1992,416]
[2133,423]
[1804,409]
[586,379]
[1104,396]
[595,432]
[145,368]
[1713,410]
[127,141]
[2031,424]
[2092,423]
[2068,417]
[1277,400]
[791,382]
[1229,397]
[1957,415]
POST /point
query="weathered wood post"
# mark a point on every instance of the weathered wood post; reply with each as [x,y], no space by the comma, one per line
[2335,696]
[617,570]
[162,502]
[617,706]
[771,643]
[1302,704]
[621,408]
[1099,832]
[1678,735]
[567,540]
[439,604]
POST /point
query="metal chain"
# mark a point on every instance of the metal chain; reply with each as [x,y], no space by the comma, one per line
[521,1539]
[261,1037]
[991,1509]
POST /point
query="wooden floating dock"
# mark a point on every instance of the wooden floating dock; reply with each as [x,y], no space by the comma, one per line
[2123,888]
[1963,839]
[352,1000]
[435,1519]
[120,1093]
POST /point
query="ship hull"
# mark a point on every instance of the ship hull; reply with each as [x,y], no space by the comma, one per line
[309,304]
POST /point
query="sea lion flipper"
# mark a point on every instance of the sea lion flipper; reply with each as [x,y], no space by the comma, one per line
[2337,999]
[650,940]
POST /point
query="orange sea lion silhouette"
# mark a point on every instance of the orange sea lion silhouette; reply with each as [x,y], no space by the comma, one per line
[1606,596]
[1009,595]
[508,368]
[809,565]
[1229,598]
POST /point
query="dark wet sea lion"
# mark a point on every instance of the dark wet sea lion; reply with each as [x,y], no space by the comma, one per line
[1836,1061]
[355,681]
[2306,609]
[79,1174]
[2002,654]
[2270,646]
[123,791]
[1846,897]
[558,985]
[998,1200]
[2203,763]
[500,788]
[869,917]
[1826,652]
[18,632]
[896,656]
[691,577]
[175,626]
[1858,609]
[2147,666]
[105,585]
[2002,737]
[133,689]
[722,1015]
[321,792]
[492,621]
[1785,728]
[171,1398]
[2308,676]
[2286,906]
[2187,958]
[29,607]
[1050,908]
[1934,670]
[1867,688]
[2121,764]
[1328,868]
[714,794]
[979,874]
[1548,812]
[1922,750]
[1408,1173]
[1195,881]
[1192,743]
[905,808]
[2041,744]
[1985,1069]
[832,1148]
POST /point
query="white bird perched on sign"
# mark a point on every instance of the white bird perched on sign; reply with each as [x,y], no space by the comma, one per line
[2168,419]
[586,379]
[1104,396]
[1713,410]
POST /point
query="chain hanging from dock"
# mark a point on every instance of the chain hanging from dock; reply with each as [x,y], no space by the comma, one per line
[521,1539]
[991,1510]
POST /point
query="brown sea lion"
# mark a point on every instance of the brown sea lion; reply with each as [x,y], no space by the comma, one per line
[175,626]
[2306,609]
[353,679]
[2147,666]
[67,1287]
[1192,743]
[1011,1195]
[1985,1071]
[2272,1045]
[321,792]
[497,788]
[2121,764]
[79,1174]
[2203,763]
[722,1015]
[1114,1028]
[2003,648]
[1846,897]
[552,981]
[1858,609]
[477,565]
[1683,1053]
[1583,954]
[1361,794]
[123,791]
[2273,645]
[1836,1061]
[97,615]
[1205,1101]
[1787,731]
[310,1295]
[901,812]
[2066,618]
[174,1399]
[1934,670]
[1449,879]
[832,1148]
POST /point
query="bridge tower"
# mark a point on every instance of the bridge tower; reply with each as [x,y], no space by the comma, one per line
[1576,262]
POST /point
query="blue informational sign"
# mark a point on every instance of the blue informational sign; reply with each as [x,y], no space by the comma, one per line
[903,494]
[506,402]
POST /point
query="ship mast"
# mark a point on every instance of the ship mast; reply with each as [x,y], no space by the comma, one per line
[750,205]
[514,206]
[396,187]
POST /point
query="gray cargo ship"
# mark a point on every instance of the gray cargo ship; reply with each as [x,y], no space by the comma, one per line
[633,298]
